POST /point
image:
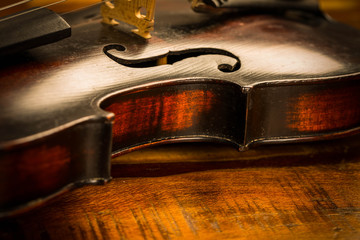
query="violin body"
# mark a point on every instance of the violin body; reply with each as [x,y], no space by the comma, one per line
[68,107]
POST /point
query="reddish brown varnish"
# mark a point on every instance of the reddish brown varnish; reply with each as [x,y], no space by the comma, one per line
[27,172]
[325,110]
[167,112]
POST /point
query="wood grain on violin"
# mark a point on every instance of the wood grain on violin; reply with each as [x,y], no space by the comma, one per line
[203,191]
[245,79]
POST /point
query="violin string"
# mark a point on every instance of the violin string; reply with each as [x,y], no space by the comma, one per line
[30,10]
[14,4]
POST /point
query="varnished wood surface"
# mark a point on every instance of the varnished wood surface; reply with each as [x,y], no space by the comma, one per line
[270,66]
[212,192]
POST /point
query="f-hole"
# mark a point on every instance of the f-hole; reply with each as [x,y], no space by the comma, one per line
[170,58]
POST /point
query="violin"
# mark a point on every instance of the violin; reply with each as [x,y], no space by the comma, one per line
[246,78]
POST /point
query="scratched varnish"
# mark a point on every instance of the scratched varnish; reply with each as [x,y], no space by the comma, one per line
[205,191]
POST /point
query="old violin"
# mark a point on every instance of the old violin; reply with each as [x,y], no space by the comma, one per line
[241,77]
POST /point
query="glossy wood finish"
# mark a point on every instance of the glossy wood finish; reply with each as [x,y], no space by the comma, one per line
[202,191]
[301,112]
[180,111]
[311,109]
[59,89]
[40,169]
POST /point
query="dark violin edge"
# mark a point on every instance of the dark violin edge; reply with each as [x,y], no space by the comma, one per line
[32,29]
[53,164]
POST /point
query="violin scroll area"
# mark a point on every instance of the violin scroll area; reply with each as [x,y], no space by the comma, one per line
[114,52]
